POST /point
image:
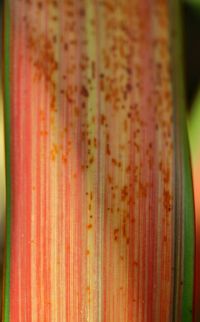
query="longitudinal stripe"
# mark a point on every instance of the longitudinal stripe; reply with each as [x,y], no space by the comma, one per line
[92,150]
[183,190]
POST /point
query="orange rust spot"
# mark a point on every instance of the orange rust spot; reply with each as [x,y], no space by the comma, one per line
[44,133]
[89,226]
[109,6]
[91,160]
[166,175]
[69,98]
[167,200]
[82,12]
[107,97]
[39,5]
[65,46]
[114,162]
[54,18]
[110,179]
[137,146]
[55,4]
[64,158]
[84,91]
[102,119]
[108,149]
[116,233]
[124,192]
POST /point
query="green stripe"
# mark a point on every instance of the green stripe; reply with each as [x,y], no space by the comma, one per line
[194,128]
[6,91]
[186,173]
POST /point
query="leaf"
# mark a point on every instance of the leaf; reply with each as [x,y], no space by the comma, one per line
[99,193]
[193,129]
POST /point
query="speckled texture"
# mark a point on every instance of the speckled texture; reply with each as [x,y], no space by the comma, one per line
[92,229]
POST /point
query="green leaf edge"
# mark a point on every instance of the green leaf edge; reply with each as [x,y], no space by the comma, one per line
[6,94]
[184,161]
[194,128]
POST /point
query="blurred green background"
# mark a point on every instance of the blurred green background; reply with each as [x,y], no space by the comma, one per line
[191,37]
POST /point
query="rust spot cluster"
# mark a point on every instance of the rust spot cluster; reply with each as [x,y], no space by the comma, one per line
[107,103]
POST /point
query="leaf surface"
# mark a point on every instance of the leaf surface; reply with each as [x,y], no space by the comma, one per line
[99,198]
